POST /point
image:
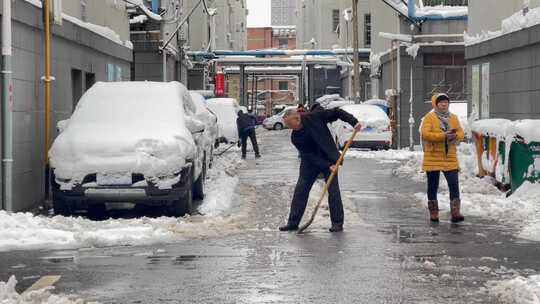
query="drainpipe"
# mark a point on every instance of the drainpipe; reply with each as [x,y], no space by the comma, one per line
[411,5]
[47,78]
[7,109]
[398,78]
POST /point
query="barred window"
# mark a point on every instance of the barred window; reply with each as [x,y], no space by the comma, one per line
[335,20]
[367,30]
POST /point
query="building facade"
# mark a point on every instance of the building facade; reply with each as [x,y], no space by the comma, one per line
[439,66]
[503,71]
[283,12]
[83,52]
[221,27]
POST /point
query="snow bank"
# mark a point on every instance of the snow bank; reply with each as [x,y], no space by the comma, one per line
[226,111]
[519,290]
[24,231]
[514,23]
[8,295]
[122,128]
[491,127]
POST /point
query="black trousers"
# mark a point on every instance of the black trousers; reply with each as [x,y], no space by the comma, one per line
[253,137]
[308,175]
[452,178]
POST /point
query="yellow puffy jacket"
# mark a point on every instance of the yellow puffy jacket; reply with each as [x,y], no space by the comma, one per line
[435,156]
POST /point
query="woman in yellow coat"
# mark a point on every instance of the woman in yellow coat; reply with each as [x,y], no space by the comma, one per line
[441,133]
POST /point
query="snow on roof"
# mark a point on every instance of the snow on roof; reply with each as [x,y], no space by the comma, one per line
[514,23]
[443,11]
[491,127]
[379,102]
[138,19]
[98,29]
[144,8]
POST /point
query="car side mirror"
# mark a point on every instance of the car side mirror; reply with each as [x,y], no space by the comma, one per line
[194,125]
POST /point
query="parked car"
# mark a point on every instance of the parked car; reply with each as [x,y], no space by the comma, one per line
[226,110]
[381,103]
[376,133]
[211,129]
[276,122]
[132,142]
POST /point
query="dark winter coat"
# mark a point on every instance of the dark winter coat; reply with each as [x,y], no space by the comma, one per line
[314,141]
[245,122]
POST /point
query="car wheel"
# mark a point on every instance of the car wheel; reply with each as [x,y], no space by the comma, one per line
[198,186]
[278,126]
[60,206]
[97,212]
[184,204]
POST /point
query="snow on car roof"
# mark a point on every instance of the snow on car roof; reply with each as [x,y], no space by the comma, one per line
[369,115]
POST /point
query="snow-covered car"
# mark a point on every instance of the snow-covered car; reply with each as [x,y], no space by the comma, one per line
[210,120]
[376,133]
[137,142]
[226,110]
[275,122]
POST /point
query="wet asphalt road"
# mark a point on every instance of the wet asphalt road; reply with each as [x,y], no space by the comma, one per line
[389,252]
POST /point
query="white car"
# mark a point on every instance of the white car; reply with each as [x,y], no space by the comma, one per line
[205,115]
[226,110]
[375,134]
[276,122]
[136,142]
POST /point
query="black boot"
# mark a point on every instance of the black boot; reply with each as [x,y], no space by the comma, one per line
[243,156]
[336,228]
[288,227]
[257,155]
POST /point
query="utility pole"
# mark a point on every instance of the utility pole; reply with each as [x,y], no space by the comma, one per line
[356,79]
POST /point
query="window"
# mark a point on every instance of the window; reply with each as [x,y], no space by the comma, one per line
[445,73]
[367,30]
[89,80]
[283,43]
[76,86]
[335,20]
[283,85]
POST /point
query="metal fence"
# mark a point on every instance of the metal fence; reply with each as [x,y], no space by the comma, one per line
[446,2]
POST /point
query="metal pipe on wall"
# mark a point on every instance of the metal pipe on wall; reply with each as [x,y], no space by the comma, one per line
[47,78]
[7,109]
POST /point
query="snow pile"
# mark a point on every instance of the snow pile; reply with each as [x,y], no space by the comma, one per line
[138,19]
[8,295]
[226,112]
[24,231]
[413,50]
[327,99]
[124,127]
[528,129]
[491,127]
[400,155]
[516,22]
[519,290]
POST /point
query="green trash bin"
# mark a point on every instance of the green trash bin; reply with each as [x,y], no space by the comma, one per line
[524,163]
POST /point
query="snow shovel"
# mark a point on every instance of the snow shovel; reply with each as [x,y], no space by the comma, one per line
[328,183]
